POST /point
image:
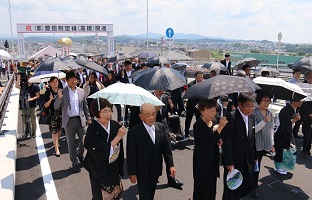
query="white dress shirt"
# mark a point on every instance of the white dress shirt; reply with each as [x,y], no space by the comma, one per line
[151,131]
[129,78]
[74,103]
[245,118]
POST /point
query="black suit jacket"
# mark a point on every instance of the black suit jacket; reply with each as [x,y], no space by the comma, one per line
[124,79]
[283,135]
[229,66]
[238,148]
[206,153]
[191,103]
[144,158]
[98,149]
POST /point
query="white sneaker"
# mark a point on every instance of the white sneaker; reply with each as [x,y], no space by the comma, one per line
[281,171]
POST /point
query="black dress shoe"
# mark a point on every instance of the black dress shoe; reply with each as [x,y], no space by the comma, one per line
[253,193]
[80,158]
[174,183]
[76,168]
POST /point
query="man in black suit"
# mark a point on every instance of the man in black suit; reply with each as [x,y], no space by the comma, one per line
[192,104]
[125,77]
[125,74]
[147,144]
[239,150]
[226,62]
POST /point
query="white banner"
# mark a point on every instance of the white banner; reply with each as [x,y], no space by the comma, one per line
[110,44]
[21,45]
[64,28]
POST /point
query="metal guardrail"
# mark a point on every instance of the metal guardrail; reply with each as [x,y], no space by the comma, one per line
[4,99]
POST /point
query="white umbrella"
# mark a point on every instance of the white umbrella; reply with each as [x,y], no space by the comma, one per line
[44,77]
[127,94]
[4,55]
[280,89]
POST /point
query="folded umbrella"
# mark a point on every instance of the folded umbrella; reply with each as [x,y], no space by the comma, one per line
[220,85]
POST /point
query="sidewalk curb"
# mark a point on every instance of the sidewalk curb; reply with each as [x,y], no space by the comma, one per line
[8,147]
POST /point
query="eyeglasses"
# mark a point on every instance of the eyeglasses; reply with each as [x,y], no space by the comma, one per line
[106,111]
[248,106]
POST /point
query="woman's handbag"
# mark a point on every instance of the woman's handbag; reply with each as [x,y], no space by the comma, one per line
[45,116]
[112,192]
[289,158]
[290,155]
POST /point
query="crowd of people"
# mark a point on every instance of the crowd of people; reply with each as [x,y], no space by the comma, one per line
[234,131]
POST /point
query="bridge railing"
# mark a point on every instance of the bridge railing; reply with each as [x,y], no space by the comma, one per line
[4,98]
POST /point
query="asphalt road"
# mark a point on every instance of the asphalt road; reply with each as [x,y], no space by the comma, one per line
[296,185]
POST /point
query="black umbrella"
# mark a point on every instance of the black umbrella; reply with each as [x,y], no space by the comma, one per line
[92,66]
[179,66]
[146,54]
[112,59]
[252,62]
[280,89]
[271,72]
[220,85]
[304,64]
[157,60]
[160,79]
[54,64]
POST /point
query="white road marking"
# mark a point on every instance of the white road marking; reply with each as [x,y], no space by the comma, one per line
[47,177]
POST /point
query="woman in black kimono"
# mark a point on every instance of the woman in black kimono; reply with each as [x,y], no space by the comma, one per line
[103,142]
[282,137]
[206,151]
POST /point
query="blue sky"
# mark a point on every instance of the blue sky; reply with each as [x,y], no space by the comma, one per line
[239,19]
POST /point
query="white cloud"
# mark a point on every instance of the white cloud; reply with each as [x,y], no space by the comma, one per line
[240,19]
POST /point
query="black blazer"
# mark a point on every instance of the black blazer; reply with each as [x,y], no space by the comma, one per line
[229,66]
[238,149]
[191,103]
[124,79]
[98,149]
[206,153]
[144,158]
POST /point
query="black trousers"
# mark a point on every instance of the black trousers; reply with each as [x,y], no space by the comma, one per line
[256,174]
[188,119]
[147,189]
[307,141]
[96,188]
[296,128]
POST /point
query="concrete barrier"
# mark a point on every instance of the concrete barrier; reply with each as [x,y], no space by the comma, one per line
[8,148]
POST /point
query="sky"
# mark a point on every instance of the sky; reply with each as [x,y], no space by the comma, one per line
[239,19]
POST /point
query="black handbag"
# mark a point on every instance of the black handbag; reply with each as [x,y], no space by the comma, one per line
[45,116]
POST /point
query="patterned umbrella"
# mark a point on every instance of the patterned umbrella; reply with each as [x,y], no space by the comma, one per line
[220,85]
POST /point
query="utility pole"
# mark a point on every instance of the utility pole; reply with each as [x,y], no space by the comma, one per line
[147,26]
[12,45]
